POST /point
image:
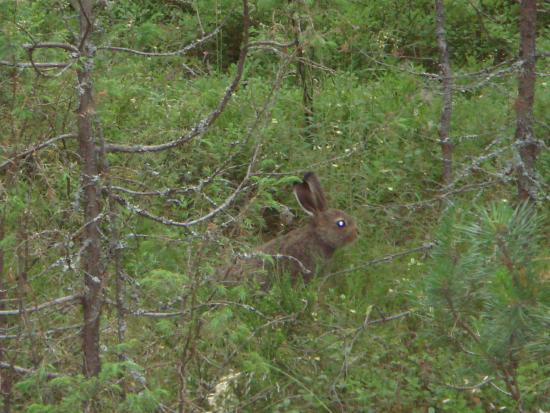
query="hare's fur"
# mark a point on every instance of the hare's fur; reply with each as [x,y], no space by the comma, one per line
[303,250]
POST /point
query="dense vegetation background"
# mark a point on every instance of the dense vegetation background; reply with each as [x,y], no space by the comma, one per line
[111,244]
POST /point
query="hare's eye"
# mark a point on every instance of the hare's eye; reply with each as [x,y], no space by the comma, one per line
[341,223]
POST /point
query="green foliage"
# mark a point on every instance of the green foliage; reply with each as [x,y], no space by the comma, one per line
[162,283]
[373,140]
[144,402]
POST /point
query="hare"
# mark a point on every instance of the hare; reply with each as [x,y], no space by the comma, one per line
[302,250]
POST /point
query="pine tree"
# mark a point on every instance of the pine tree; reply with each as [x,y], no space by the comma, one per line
[489,294]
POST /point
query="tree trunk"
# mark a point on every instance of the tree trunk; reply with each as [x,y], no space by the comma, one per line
[6,376]
[303,73]
[447,86]
[307,90]
[89,181]
[525,137]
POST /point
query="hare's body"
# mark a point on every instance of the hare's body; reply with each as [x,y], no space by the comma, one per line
[303,250]
[298,252]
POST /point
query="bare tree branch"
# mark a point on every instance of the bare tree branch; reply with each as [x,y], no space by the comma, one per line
[387,258]
[271,43]
[240,188]
[40,333]
[488,77]
[51,65]
[280,49]
[263,256]
[201,127]
[166,221]
[57,301]
[228,200]
[412,72]
[488,74]
[52,45]
[157,314]
[182,51]
[486,380]
[74,53]
[390,318]
[25,371]
[4,165]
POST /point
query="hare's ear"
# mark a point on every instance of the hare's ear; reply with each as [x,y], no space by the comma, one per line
[310,195]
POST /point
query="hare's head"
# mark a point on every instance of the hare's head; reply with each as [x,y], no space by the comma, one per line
[333,227]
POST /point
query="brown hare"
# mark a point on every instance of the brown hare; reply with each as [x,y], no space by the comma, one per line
[303,250]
